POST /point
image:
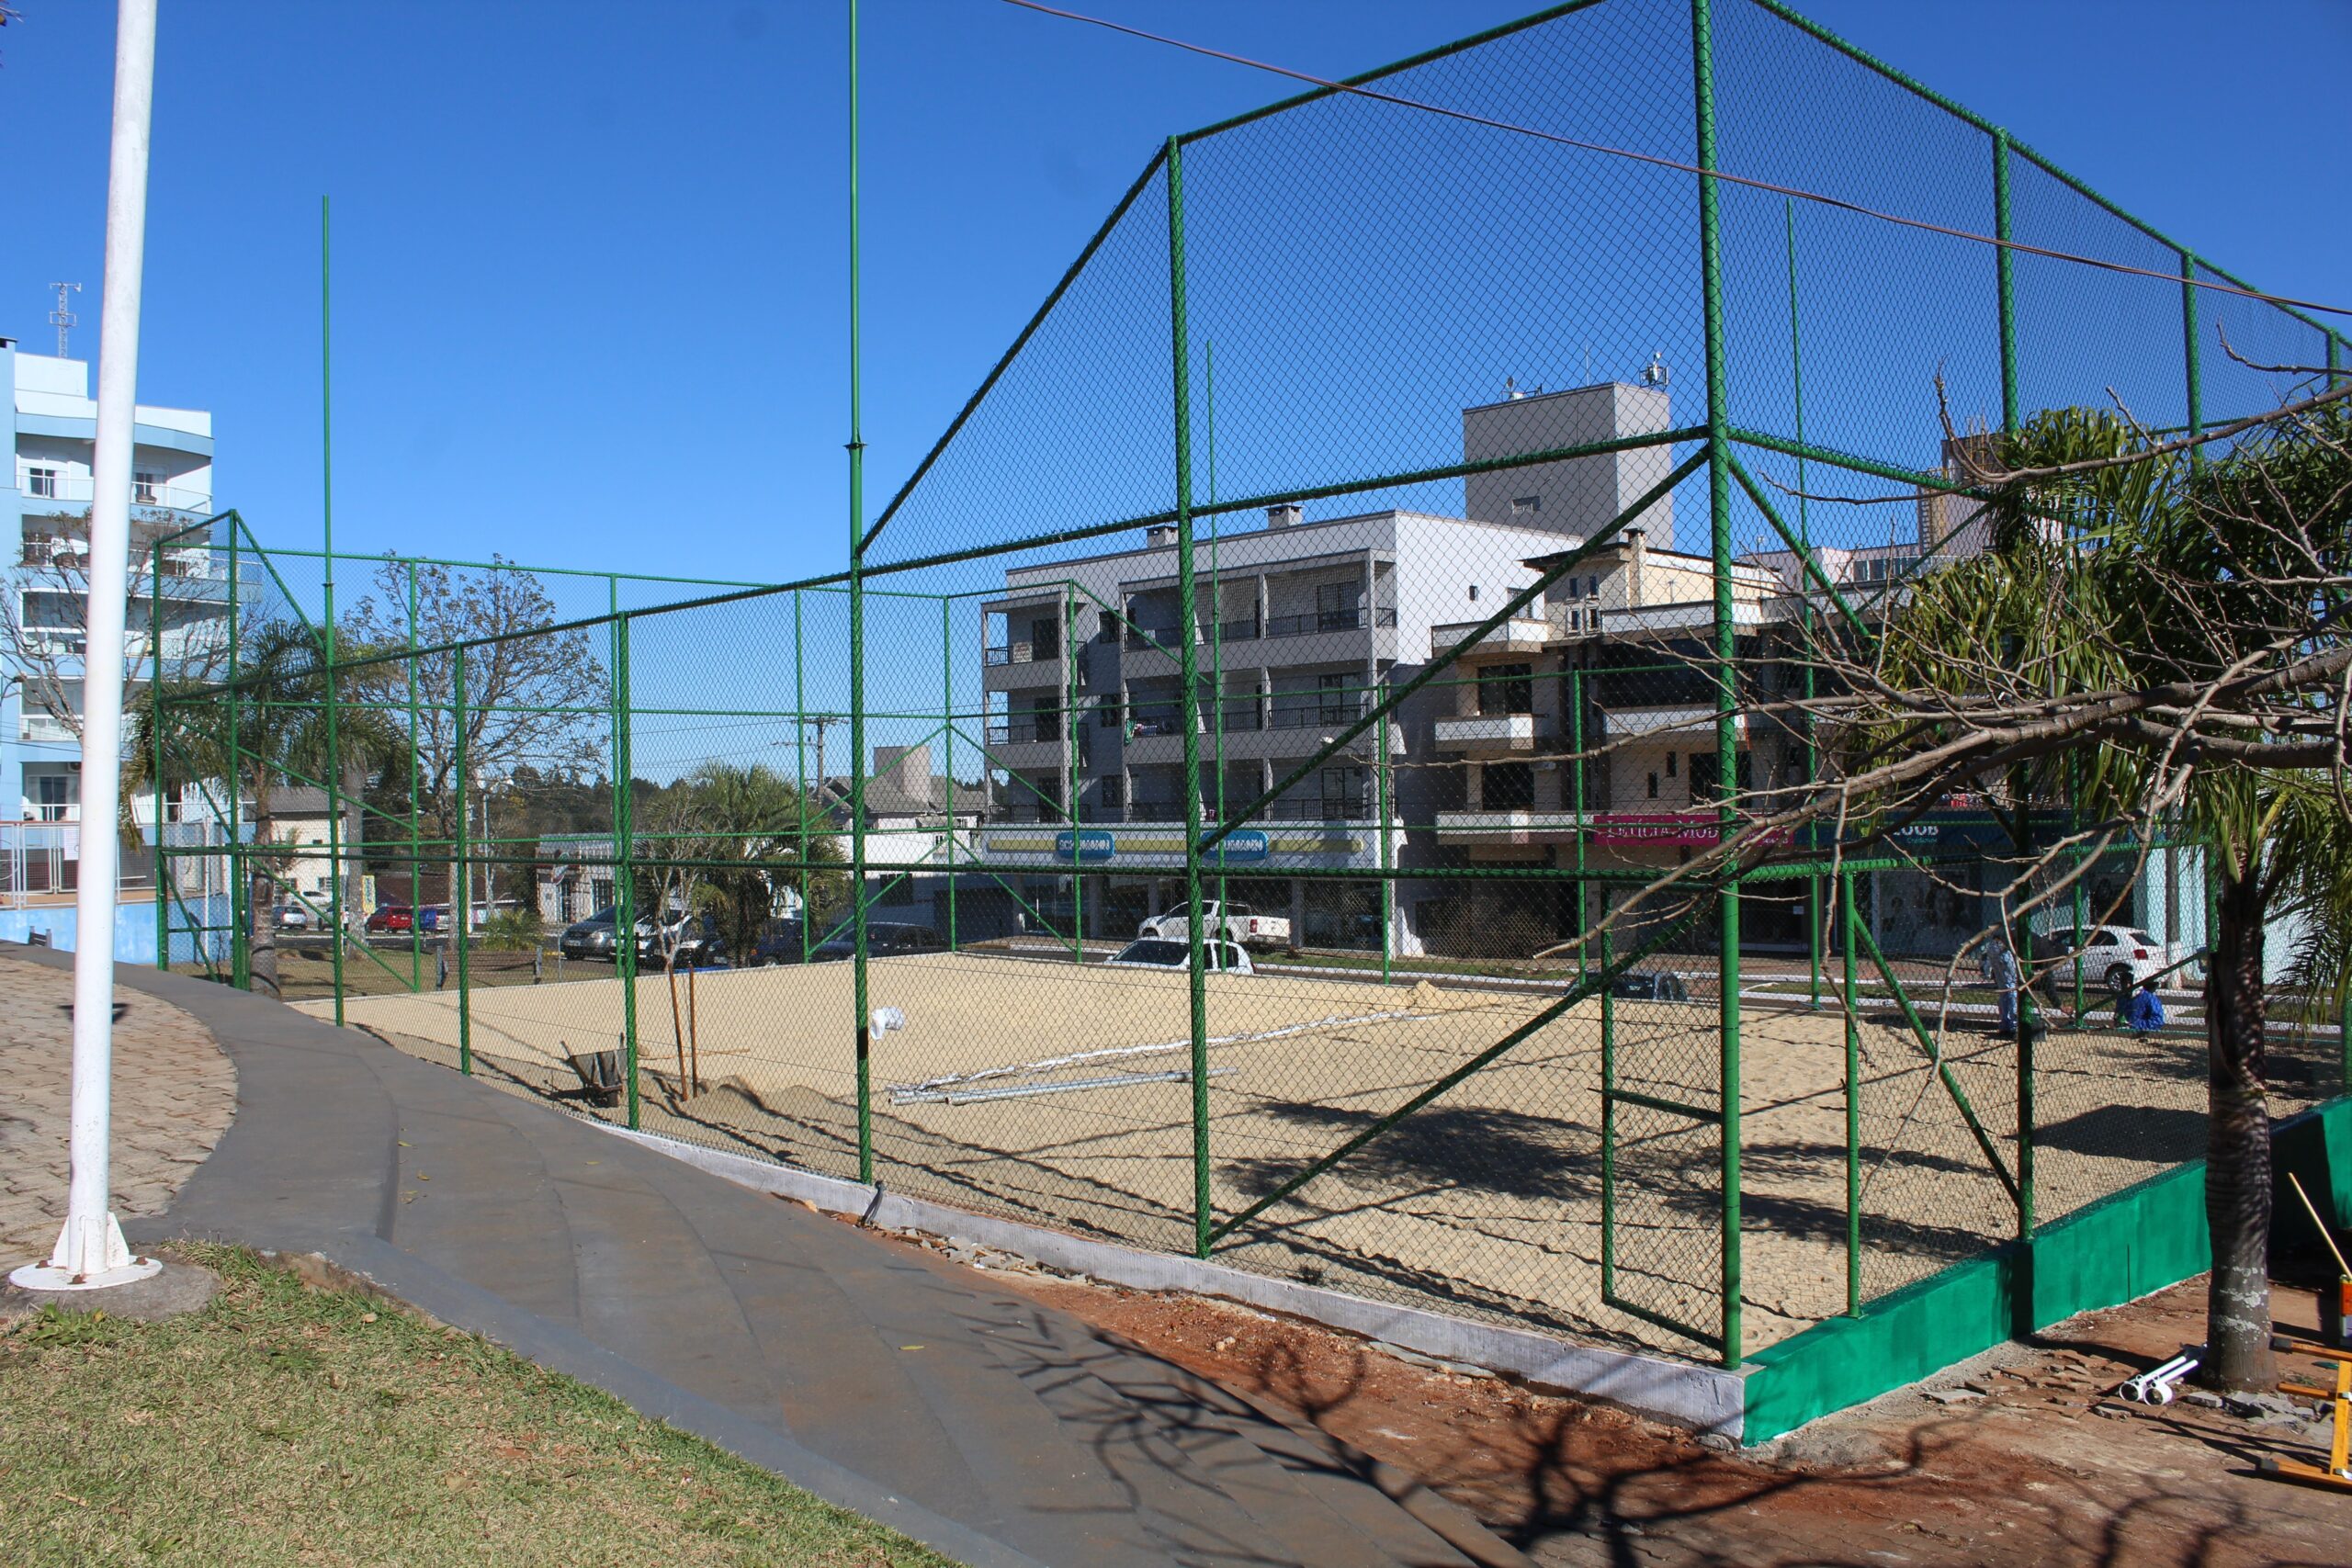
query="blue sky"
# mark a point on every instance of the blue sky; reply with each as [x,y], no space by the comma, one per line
[590,258]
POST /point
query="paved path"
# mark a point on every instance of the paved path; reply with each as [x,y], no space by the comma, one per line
[877,1375]
[173,1090]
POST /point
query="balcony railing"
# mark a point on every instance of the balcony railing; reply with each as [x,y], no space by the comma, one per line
[1021,653]
[1330,621]
[1024,731]
[69,490]
[1346,712]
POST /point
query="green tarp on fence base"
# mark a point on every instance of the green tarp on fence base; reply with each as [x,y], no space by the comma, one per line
[2124,1246]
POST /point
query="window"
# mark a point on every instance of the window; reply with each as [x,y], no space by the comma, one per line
[1506,688]
[53,796]
[1520,503]
[1044,641]
[1652,786]
[1111,713]
[1669,765]
[1507,786]
[1593,587]
[1332,693]
[1115,791]
[1474,593]
[144,486]
[41,482]
[1335,605]
[1342,791]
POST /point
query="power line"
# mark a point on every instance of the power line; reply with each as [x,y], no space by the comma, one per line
[1794,192]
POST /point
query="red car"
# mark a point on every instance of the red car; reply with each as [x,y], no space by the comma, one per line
[392,917]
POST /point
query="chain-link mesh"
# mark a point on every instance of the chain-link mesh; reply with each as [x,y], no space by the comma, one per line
[1246,801]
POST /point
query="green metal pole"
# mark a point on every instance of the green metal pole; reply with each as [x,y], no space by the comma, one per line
[2191,356]
[1711,266]
[240,958]
[2004,278]
[415,799]
[461,901]
[1577,783]
[1216,622]
[1069,775]
[857,657]
[1188,671]
[326,626]
[1854,1104]
[948,723]
[156,722]
[2344,1033]
[1607,1115]
[1387,884]
[800,774]
[625,859]
[1812,883]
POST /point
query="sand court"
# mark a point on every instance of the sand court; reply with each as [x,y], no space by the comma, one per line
[1061,1095]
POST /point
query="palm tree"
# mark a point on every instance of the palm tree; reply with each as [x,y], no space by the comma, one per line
[267,731]
[2170,590]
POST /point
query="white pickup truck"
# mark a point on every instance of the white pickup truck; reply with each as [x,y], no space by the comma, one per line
[1229,922]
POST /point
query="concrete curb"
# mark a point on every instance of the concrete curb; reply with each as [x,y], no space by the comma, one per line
[1704,1398]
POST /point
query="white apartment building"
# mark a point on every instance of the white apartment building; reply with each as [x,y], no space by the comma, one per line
[45,499]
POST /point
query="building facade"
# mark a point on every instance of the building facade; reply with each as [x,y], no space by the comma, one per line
[46,495]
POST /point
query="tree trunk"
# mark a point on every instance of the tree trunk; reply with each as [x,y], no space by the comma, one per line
[260,940]
[2237,1149]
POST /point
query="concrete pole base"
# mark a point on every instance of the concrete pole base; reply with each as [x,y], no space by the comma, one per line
[90,1254]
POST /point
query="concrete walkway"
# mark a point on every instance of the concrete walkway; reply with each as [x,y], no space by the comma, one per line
[875,1375]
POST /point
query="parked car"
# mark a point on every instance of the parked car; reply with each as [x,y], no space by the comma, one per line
[882,940]
[696,938]
[780,942]
[388,918]
[290,917]
[1167,952]
[1646,985]
[591,938]
[2107,958]
[1225,922]
[432,916]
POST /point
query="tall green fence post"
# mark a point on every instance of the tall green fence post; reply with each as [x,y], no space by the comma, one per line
[156,722]
[240,958]
[1814,911]
[947,727]
[415,797]
[625,859]
[335,868]
[864,1044]
[2005,282]
[1188,673]
[1719,485]
[1070,776]
[1848,943]
[2191,357]
[461,896]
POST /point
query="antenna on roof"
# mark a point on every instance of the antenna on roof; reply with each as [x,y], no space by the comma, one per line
[63,318]
[1655,374]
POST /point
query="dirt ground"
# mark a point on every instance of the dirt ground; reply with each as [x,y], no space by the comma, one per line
[2040,1467]
[1054,1094]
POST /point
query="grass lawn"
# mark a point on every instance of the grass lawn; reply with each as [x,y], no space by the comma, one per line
[284,1423]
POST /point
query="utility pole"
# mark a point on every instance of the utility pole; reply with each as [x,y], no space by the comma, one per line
[90,1253]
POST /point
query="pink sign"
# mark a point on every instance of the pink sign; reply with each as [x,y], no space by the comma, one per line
[1662,828]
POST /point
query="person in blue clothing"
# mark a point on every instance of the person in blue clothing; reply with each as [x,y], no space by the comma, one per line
[2005,979]
[2145,1013]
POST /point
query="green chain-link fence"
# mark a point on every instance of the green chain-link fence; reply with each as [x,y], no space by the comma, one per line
[1239,800]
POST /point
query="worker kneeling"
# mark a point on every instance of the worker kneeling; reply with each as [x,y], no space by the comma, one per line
[2145,1013]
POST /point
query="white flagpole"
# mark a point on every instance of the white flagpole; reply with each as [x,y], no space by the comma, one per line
[90,1252]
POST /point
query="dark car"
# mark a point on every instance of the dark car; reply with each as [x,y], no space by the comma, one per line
[696,940]
[392,917]
[1645,987]
[591,938]
[881,941]
[781,942]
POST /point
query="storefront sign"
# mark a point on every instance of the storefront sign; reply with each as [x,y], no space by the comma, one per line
[1084,845]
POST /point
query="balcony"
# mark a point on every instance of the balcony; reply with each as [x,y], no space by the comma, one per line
[1493,734]
[1330,621]
[1676,723]
[1508,826]
[1014,665]
[1518,636]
